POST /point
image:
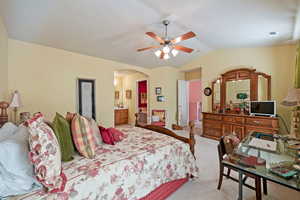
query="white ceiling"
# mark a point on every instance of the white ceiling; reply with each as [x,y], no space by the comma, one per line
[114,29]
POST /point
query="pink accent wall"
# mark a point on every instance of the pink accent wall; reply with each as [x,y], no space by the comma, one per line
[195,97]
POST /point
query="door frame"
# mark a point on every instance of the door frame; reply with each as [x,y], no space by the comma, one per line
[79,81]
[137,97]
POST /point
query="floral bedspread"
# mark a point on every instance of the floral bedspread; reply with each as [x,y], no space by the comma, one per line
[128,170]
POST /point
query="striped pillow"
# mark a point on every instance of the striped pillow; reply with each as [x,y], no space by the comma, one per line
[83,137]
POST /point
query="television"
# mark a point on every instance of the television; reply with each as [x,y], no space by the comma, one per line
[263,108]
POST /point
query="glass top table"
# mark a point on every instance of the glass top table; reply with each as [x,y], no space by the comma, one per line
[283,155]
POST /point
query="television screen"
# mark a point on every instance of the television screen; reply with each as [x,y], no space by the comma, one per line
[263,107]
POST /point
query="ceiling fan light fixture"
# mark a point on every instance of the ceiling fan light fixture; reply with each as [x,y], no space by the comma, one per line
[174,52]
[166,49]
[166,56]
[158,53]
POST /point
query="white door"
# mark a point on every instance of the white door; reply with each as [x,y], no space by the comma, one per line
[183,105]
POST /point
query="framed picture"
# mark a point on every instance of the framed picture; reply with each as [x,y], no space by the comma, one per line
[160,98]
[117,95]
[158,90]
[128,94]
[86,98]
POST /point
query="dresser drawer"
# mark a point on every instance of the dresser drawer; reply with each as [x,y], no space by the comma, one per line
[212,124]
[239,120]
[228,119]
[259,122]
[212,116]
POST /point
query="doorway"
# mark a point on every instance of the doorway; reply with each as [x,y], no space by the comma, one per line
[189,98]
[142,100]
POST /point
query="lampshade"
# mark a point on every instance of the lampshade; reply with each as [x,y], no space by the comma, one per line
[16,100]
[293,98]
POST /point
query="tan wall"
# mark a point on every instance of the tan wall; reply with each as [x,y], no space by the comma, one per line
[119,88]
[166,78]
[192,75]
[277,61]
[3,63]
[46,79]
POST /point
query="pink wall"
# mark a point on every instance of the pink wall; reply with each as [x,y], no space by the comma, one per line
[195,96]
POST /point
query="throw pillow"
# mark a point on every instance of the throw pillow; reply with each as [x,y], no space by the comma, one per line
[96,132]
[62,131]
[106,136]
[83,137]
[116,134]
[45,154]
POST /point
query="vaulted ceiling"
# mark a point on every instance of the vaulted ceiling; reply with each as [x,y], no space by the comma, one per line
[114,29]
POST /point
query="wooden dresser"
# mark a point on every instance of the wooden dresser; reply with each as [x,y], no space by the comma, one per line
[216,125]
[121,116]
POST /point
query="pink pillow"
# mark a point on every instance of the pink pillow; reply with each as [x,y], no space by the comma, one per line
[116,134]
[106,136]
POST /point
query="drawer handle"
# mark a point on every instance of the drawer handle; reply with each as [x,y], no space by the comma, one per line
[256,122]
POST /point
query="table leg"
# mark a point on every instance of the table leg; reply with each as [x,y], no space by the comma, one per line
[240,186]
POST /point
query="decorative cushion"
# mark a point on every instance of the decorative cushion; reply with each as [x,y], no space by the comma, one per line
[45,154]
[107,137]
[116,134]
[230,142]
[62,131]
[70,116]
[96,132]
[83,137]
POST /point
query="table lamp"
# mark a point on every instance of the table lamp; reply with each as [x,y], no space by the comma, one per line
[293,100]
[15,104]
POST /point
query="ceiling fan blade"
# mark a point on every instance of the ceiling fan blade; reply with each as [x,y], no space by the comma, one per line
[156,37]
[147,48]
[186,36]
[184,49]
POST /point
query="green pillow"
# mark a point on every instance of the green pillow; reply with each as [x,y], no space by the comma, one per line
[62,131]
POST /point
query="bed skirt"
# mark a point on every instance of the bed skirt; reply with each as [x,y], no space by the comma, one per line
[165,190]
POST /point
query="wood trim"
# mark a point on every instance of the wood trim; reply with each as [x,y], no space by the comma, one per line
[3,112]
[159,129]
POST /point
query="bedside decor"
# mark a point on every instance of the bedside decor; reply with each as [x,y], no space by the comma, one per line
[158,90]
[128,94]
[15,104]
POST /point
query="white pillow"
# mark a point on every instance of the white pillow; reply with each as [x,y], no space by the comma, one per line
[7,130]
[155,118]
[16,171]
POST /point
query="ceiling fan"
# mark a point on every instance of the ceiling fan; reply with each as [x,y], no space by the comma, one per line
[169,45]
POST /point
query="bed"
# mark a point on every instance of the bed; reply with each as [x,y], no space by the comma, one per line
[150,160]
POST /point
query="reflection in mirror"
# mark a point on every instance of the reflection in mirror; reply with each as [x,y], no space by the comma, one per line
[262,93]
[237,94]
[217,96]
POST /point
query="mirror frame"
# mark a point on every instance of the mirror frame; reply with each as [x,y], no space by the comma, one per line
[241,74]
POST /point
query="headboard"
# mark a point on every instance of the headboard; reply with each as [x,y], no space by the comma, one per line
[3,112]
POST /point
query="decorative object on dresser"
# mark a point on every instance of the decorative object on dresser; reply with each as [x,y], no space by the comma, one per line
[121,116]
[216,125]
[15,104]
[293,100]
[3,112]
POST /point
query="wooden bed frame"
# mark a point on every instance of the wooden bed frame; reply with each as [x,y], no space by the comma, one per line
[159,129]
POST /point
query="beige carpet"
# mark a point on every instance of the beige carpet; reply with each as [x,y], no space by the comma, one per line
[205,187]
